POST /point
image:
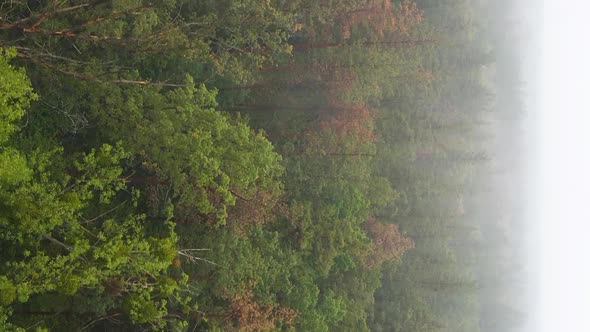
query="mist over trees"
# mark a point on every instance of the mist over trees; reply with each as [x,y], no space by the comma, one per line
[308,165]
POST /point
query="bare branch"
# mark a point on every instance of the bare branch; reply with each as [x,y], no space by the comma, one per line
[83,77]
[56,241]
[193,259]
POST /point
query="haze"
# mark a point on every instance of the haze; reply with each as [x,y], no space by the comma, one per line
[562,207]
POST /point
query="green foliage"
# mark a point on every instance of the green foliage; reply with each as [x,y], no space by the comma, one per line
[8,291]
[213,165]
[68,225]
[15,94]
[141,309]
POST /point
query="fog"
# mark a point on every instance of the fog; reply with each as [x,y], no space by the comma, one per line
[541,165]
[554,184]
[561,206]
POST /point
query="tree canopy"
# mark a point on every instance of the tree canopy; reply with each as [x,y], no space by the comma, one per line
[243,165]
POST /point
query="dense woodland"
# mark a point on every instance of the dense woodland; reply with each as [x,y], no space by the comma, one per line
[225,165]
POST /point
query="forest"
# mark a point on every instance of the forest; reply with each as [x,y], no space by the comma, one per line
[248,165]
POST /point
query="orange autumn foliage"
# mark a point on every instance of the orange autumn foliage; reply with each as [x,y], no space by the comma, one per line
[254,210]
[249,315]
[353,122]
[382,17]
[389,244]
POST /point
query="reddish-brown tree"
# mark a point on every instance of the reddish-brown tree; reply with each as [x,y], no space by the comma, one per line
[390,24]
[389,244]
[351,122]
[254,210]
[249,315]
